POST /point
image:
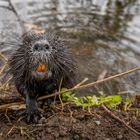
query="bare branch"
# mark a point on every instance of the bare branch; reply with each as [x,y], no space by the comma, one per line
[120,120]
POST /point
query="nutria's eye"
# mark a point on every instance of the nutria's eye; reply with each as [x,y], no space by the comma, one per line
[46,46]
[36,47]
[41,47]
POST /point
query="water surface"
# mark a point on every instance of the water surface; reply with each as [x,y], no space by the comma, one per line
[105,35]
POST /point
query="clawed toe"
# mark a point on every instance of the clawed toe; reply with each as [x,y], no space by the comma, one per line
[33,117]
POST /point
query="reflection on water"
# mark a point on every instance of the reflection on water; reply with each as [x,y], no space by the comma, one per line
[106,33]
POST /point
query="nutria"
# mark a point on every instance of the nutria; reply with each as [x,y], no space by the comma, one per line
[38,65]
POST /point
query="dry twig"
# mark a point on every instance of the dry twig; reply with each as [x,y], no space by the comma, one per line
[81,83]
[3,68]
[21,22]
[120,120]
[4,57]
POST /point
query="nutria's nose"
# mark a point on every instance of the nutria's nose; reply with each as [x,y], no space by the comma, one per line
[40,47]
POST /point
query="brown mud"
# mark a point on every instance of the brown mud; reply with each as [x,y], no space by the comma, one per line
[70,123]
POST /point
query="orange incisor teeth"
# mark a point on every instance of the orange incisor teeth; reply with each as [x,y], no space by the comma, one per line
[41,68]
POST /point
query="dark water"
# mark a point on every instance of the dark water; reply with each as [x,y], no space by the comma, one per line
[105,34]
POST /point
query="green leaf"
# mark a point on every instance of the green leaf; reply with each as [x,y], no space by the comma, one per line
[92,101]
[127,104]
[79,101]
[111,101]
[67,96]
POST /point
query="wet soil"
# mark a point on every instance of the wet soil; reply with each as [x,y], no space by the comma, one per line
[71,123]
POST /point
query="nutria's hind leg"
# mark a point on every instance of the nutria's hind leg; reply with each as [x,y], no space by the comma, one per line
[33,114]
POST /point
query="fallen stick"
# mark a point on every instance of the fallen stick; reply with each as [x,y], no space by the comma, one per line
[10,105]
[82,82]
[120,120]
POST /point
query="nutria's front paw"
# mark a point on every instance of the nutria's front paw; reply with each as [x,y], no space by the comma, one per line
[33,115]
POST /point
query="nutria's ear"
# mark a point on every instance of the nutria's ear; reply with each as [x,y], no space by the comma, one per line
[27,37]
[31,36]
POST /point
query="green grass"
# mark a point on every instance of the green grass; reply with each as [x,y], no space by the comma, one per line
[90,101]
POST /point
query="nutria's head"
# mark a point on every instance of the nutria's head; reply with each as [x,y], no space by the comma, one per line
[41,56]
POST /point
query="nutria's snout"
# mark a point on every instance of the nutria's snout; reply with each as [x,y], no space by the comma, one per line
[41,72]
